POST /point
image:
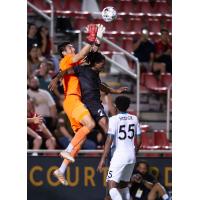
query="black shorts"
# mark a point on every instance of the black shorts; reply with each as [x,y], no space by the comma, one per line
[96,110]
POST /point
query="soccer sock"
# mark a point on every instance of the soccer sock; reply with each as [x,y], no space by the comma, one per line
[125,193]
[79,136]
[115,194]
[66,162]
[165,197]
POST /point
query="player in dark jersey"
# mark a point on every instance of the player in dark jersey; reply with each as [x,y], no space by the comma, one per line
[91,85]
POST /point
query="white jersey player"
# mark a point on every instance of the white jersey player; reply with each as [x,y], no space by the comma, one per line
[123,129]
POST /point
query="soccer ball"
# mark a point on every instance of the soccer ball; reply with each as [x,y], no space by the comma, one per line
[109,14]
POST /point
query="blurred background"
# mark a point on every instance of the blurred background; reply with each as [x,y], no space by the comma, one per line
[142,61]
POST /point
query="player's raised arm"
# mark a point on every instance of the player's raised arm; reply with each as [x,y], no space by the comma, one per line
[105,88]
[93,32]
[108,144]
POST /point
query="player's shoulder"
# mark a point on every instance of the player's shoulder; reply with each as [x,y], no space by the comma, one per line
[67,58]
[133,116]
[114,117]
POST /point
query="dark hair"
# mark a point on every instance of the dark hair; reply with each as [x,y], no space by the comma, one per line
[95,57]
[122,103]
[61,48]
[29,26]
[39,35]
[142,162]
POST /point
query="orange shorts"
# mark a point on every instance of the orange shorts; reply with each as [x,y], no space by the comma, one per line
[75,111]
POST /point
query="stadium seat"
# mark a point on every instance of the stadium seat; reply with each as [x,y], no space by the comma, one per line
[166,79]
[104,46]
[105,3]
[154,25]
[144,127]
[135,24]
[148,141]
[127,44]
[81,22]
[72,5]
[161,139]
[119,24]
[126,6]
[151,83]
[146,7]
[164,7]
[58,5]
[43,5]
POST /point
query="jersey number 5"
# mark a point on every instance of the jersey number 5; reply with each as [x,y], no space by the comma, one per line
[130,129]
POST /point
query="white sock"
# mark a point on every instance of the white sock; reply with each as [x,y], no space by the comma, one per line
[125,193]
[63,168]
[165,197]
[115,194]
[69,148]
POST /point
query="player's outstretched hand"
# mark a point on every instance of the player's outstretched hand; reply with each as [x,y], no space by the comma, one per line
[121,90]
[53,84]
[101,166]
[101,31]
[91,30]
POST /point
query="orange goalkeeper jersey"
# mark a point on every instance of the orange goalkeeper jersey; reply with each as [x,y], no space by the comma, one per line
[70,81]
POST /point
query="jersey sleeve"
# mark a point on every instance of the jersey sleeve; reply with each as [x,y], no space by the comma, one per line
[66,62]
[138,130]
[112,126]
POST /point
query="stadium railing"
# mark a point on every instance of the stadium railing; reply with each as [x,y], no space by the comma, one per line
[153,151]
[49,19]
[168,110]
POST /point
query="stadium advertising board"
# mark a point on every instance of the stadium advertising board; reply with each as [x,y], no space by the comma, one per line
[84,181]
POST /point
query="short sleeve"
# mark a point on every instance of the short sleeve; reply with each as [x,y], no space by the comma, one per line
[66,62]
[112,126]
[138,129]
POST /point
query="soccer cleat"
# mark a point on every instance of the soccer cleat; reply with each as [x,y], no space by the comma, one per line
[60,177]
[66,155]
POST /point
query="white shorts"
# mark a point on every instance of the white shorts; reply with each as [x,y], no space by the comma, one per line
[119,173]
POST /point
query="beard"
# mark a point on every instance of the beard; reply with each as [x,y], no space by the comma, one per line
[35,88]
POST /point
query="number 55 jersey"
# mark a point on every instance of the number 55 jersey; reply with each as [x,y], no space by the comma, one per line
[124,128]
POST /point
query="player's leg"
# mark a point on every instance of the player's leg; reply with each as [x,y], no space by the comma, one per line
[99,115]
[113,179]
[81,122]
[103,123]
[125,179]
[59,173]
[113,191]
[158,191]
[125,193]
